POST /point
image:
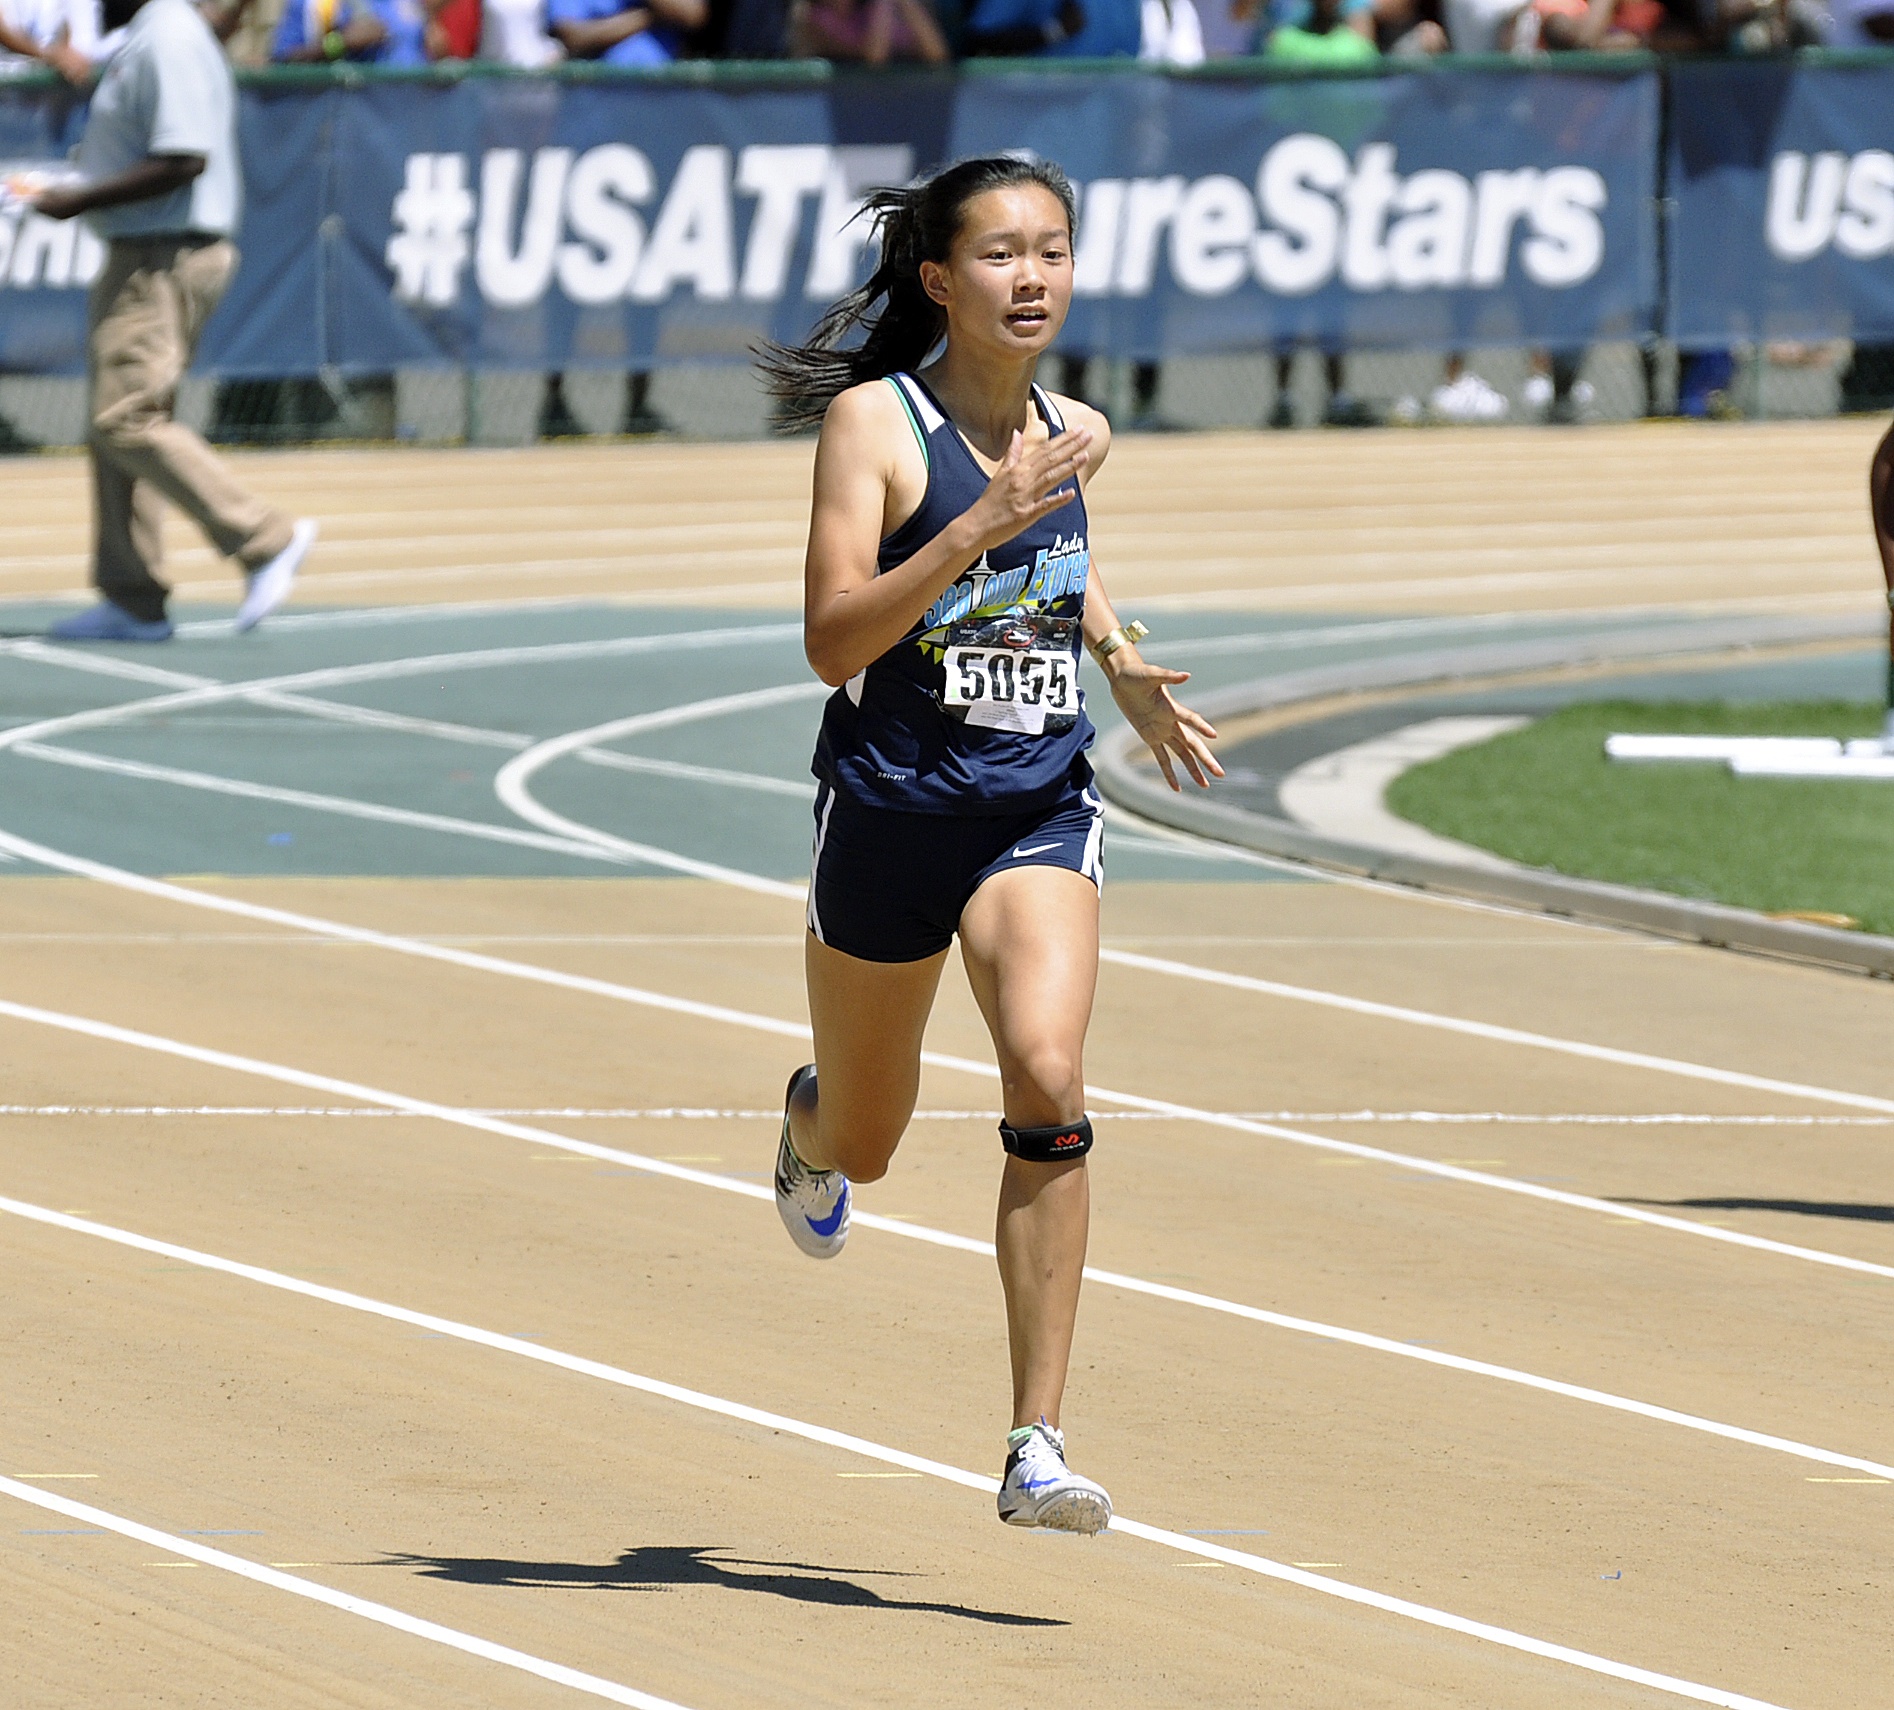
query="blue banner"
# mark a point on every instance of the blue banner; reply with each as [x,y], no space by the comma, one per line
[1782,186]
[1434,209]
[542,222]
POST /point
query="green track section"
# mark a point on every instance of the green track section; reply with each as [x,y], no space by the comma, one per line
[1546,795]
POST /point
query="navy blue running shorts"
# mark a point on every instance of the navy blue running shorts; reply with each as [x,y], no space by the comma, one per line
[889,886]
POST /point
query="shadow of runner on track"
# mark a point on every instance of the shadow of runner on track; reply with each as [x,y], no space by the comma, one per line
[1799,1207]
[659,1567]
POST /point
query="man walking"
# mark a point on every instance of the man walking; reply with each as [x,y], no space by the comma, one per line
[161,185]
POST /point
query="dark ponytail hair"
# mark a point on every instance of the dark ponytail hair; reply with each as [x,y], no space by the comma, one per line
[898,321]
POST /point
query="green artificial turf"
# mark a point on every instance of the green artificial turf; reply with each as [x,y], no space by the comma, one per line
[1546,795]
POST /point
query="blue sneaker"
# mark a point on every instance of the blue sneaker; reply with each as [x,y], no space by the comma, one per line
[107,622]
[813,1204]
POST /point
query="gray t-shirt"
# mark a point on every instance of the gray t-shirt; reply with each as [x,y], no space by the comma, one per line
[168,90]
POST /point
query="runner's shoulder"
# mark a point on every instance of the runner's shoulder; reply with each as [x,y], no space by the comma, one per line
[863,431]
[869,407]
[1076,413]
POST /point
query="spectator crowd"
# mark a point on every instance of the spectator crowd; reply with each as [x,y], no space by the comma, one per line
[67,35]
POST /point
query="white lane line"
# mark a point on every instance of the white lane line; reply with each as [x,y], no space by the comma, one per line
[1195,1547]
[345,806]
[1589,617]
[1497,1034]
[338,712]
[344,712]
[203,1555]
[511,782]
[529,809]
[723,1113]
[463,1118]
[592,847]
[783,590]
[1129,831]
[755,781]
[1339,592]
[421,665]
[80,865]
[1390,629]
[513,786]
[356,617]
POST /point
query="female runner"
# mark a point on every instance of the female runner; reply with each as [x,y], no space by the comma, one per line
[948,585]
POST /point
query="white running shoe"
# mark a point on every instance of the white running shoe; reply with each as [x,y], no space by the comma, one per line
[269,582]
[1041,1490]
[813,1204]
[1469,399]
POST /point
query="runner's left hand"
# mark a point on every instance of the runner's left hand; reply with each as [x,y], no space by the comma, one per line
[1143,694]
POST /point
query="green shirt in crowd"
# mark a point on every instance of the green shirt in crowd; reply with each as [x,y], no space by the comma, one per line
[1338,45]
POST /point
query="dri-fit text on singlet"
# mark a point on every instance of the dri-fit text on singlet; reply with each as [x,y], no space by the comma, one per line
[887,740]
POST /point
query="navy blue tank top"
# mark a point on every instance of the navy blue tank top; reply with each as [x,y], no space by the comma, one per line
[894,736]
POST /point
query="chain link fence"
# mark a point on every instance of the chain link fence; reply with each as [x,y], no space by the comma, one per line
[723,401]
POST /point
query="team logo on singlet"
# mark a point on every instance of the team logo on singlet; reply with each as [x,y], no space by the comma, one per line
[1056,572]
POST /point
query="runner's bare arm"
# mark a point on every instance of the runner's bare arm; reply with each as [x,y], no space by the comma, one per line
[851,616]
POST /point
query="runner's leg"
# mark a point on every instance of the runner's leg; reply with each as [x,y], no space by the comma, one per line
[868,1019]
[1029,939]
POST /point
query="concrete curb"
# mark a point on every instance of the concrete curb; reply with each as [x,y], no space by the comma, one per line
[1140,790]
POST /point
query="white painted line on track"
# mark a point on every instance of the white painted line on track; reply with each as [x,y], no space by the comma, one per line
[800,790]
[783,590]
[1497,1034]
[725,1113]
[374,718]
[511,783]
[593,846]
[1589,617]
[380,1613]
[337,712]
[346,806]
[518,796]
[1335,593]
[1179,845]
[1181,1542]
[357,617]
[80,865]
[463,1118]
[418,665]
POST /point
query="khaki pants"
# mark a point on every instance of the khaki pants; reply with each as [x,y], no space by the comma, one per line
[148,310]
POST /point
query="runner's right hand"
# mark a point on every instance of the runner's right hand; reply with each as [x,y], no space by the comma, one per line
[1029,485]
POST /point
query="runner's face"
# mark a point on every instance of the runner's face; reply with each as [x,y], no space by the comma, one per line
[1008,283]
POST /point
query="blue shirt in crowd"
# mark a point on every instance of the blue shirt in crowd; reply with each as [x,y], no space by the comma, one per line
[658,45]
[1111,26]
[1295,14]
[306,22]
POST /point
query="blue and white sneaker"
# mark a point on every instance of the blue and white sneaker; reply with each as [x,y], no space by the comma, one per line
[1041,1490]
[109,622]
[813,1204]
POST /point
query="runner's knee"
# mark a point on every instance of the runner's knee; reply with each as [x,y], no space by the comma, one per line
[1046,1083]
[861,1150]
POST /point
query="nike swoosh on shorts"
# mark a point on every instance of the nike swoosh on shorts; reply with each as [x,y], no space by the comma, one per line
[1037,849]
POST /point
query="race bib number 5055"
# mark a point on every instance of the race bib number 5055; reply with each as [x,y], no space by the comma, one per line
[1013,688]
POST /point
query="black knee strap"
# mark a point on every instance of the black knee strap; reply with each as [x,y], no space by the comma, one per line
[1048,1145]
